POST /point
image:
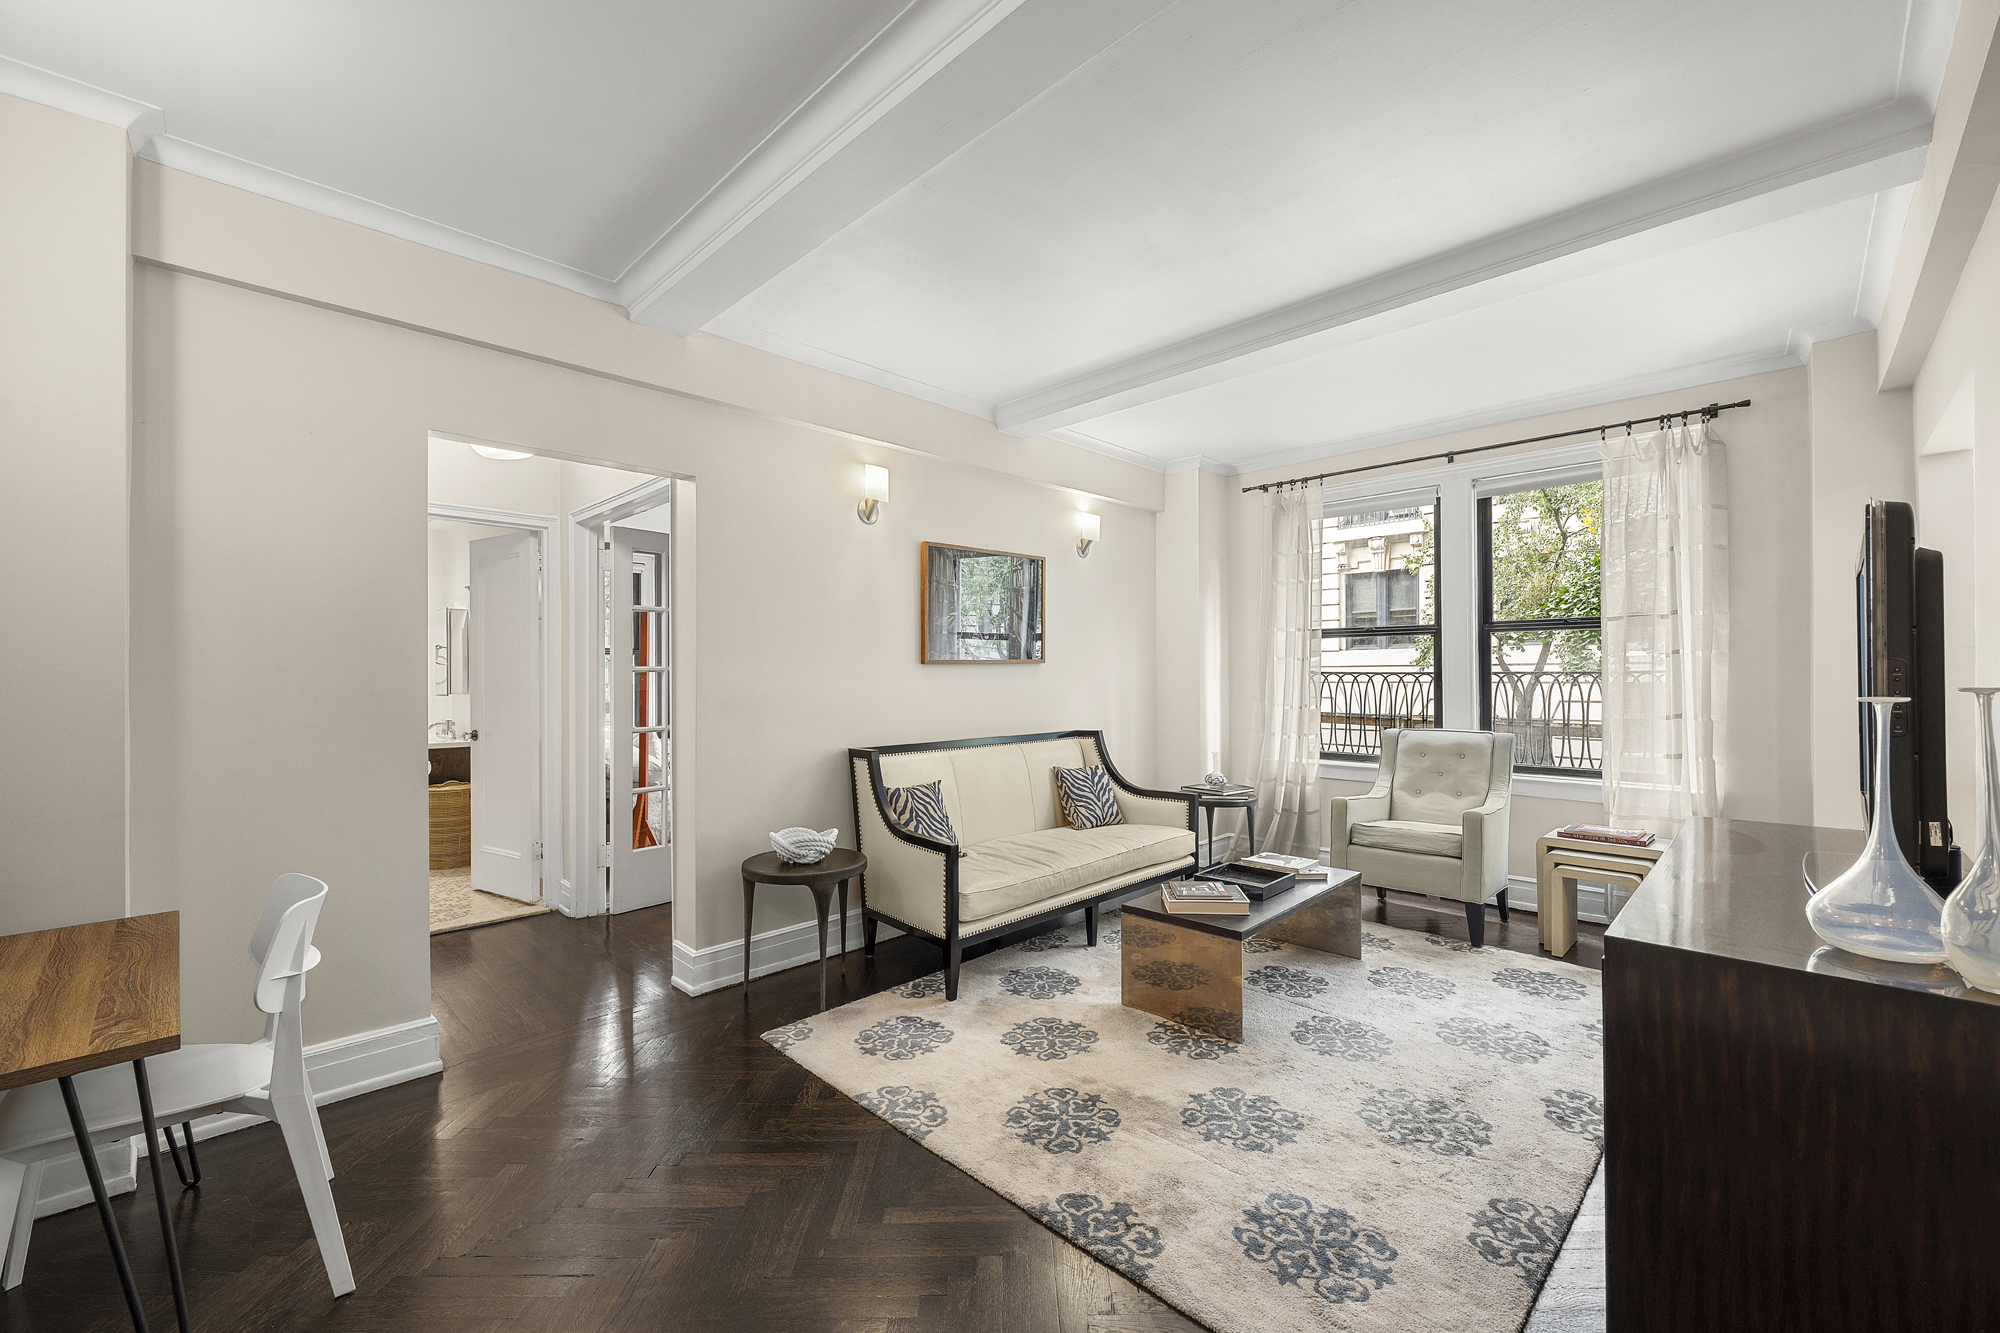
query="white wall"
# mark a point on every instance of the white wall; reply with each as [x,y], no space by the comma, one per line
[1957,467]
[1860,452]
[64,589]
[805,628]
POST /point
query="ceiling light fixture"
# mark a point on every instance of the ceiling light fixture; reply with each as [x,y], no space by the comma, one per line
[494,451]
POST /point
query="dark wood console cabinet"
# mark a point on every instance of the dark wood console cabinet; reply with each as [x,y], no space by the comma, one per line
[1796,1138]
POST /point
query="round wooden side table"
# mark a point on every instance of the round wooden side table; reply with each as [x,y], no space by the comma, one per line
[1211,802]
[835,868]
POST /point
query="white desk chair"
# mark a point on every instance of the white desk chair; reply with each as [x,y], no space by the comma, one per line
[266,1077]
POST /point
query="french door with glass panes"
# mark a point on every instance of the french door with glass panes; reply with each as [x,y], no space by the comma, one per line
[639,738]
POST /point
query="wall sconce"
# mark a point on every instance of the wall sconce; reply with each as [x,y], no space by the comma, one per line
[1087,528]
[874,490]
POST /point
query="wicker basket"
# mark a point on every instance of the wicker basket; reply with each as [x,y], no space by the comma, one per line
[451,825]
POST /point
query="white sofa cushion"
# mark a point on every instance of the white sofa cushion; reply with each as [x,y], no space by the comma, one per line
[1409,835]
[1439,777]
[1008,873]
[992,791]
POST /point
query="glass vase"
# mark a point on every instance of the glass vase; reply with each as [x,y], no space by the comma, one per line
[1971,926]
[1881,907]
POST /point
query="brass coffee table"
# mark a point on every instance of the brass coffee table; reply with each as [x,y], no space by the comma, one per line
[1189,969]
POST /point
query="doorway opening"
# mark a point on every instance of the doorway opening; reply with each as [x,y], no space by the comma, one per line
[498,746]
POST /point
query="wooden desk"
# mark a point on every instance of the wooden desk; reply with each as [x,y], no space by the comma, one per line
[1795,1137]
[85,997]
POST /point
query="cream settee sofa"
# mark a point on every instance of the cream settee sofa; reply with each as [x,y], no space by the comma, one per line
[1436,821]
[1016,862]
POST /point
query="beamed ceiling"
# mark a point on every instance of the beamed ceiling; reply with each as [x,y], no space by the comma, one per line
[1241,233]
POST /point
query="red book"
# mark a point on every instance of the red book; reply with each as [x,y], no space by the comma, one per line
[1627,837]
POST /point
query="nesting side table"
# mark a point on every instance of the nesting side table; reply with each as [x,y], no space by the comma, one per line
[1560,862]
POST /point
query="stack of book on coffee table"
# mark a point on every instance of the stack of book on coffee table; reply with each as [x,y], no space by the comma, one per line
[1201,897]
[1299,867]
[1228,789]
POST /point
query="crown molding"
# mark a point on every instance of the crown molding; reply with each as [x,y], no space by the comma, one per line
[145,125]
[919,42]
[141,121]
[1861,154]
[1695,376]
[226,169]
[1203,463]
[750,335]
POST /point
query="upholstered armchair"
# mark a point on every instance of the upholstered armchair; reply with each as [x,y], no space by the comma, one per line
[1436,821]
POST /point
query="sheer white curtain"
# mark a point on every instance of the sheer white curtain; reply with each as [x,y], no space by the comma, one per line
[1288,803]
[1666,626]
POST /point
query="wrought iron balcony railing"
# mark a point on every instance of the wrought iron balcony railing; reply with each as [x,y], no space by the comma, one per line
[1556,717]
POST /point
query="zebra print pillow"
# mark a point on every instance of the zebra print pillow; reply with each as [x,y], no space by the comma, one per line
[1086,798]
[919,811]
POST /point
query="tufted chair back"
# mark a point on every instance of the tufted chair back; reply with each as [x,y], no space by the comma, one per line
[1436,776]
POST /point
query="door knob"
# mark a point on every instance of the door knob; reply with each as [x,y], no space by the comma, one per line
[472,735]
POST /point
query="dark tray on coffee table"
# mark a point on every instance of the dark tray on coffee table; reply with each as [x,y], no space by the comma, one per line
[1257,882]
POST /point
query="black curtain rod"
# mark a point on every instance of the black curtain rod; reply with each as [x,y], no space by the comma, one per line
[1708,413]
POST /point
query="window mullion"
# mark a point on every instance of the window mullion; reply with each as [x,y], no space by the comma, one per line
[1458,602]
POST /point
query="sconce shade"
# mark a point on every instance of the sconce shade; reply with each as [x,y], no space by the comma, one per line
[1088,526]
[874,490]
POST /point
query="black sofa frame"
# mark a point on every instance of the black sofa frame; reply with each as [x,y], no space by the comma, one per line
[954,940]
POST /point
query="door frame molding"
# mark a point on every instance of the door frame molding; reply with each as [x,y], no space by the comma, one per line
[584,882]
[549,830]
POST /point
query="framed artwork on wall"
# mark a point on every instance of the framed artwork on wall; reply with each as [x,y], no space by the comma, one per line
[979,606]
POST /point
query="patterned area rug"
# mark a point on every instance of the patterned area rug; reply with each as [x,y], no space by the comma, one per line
[1400,1141]
[456,905]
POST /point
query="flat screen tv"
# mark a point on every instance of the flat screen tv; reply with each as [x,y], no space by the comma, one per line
[1899,590]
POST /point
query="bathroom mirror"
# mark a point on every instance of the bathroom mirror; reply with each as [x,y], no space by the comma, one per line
[980,606]
[451,653]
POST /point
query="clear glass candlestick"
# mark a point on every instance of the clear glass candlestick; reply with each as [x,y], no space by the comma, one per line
[1971,924]
[1881,907]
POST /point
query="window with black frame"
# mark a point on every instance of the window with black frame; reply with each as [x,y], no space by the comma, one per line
[1379,660]
[1541,624]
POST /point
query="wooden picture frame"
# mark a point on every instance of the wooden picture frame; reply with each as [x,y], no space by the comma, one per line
[1012,619]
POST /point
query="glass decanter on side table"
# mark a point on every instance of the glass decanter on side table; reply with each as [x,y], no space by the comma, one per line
[1971,924]
[1881,907]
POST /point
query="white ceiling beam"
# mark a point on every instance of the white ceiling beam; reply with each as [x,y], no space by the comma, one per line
[944,73]
[1951,202]
[1857,155]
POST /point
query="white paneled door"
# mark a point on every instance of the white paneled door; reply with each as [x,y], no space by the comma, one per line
[506,684]
[639,737]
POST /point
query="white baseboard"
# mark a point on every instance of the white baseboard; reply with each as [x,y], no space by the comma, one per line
[64,1186]
[699,971]
[1523,894]
[342,1068]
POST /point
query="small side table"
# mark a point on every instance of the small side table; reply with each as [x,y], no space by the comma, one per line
[1211,801]
[835,868]
[1555,895]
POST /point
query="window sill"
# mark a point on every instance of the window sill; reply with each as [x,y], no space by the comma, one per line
[1545,786]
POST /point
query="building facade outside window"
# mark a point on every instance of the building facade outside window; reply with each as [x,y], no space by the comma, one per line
[1471,603]
[1378,572]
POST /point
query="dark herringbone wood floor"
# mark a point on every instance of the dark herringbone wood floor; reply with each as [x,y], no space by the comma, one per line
[604,1153]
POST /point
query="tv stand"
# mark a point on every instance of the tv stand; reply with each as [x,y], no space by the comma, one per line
[1795,1137]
